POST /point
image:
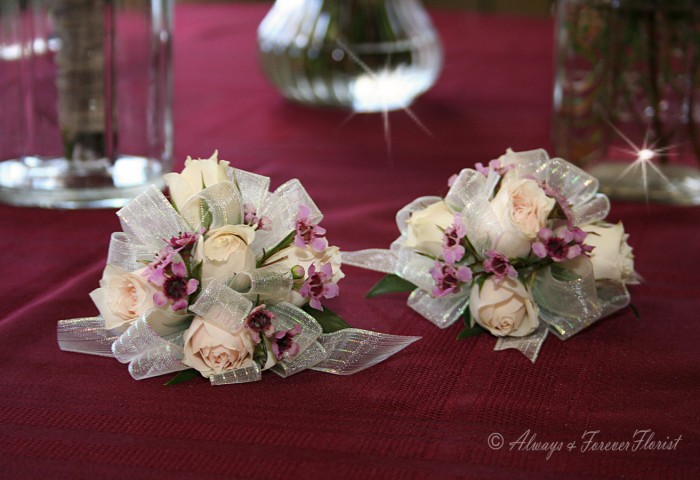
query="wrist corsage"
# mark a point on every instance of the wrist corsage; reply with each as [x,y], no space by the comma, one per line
[225,280]
[517,248]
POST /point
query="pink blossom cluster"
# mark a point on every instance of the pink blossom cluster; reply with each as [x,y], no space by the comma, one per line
[561,245]
[169,272]
[250,217]
[259,320]
[447,274]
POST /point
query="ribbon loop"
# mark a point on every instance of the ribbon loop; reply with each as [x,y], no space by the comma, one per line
[415,268]
[149,218]
[222,306]
[268,283]
[254,188]
[569,305]
[470,194]
[281,207]
[594,210]
[288,315]
[442,312]
[161,360]
[127,254]
[215,206]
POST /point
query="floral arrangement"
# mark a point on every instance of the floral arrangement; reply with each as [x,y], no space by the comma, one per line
[517,248]
[226,280]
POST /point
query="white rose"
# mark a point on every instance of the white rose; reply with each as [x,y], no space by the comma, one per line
[197,175]
[426,227]
[122,297]
[612,256]
[212,350]
[305,257]
[521,208]
[225,252]
[505,308]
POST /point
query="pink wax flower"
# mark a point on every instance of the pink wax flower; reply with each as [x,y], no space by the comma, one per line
[185,240]
[308,233]
[319,284]
[259,320]
[155,271]
[452,249]
[494,165]
[451,181]
[250,217]
[176,287]
[499,265]
[449,278]
[559,247]
[283,342]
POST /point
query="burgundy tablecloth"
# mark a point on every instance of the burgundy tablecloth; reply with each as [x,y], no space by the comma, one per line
[429,411]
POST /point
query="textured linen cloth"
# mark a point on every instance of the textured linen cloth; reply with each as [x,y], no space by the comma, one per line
[427,412]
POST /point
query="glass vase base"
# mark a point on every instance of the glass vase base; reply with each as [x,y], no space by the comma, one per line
[672,184]
[59,183]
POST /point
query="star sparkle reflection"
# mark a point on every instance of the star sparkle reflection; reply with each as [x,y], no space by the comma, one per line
[644,157]
[382,91]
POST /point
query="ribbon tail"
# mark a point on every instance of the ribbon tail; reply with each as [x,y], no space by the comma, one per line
[351,350]
[85,335]
[377,259]
[529,346]
[307,359]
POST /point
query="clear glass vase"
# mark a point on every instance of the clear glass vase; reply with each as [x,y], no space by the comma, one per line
[85,100]
[627,95]
[365,55]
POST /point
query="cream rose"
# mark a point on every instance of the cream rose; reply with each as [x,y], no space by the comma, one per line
[197,175]
[425,228]
[122,297]
[612,256]
[521,208]
[305,257]
[505,308]
[212,350]
[225,252]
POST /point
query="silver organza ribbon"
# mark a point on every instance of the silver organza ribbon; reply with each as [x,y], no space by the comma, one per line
[149,354]
[565,306]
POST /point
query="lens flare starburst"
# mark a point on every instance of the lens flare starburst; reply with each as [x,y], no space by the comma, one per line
[644,157]
[380,91]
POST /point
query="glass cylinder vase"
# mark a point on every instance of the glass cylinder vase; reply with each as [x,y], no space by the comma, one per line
[85,99]
[627,95]
[365,55]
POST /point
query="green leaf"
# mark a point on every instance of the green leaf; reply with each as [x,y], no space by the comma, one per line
[563,274]
[471,332]
[480,281]
[329,321]
[207,216]
[260,352]
[183,376]
[635,311]
[286,241]
[390,284]
[467,315]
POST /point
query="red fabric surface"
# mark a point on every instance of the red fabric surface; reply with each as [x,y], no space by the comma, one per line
[426,412]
